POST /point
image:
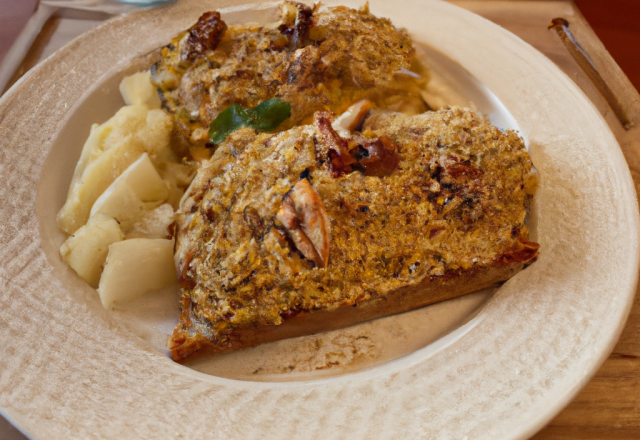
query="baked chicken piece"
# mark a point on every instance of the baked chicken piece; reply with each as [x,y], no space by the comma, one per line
[310,229]
[315,58]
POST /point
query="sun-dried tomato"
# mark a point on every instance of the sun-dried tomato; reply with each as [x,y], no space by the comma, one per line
[205,35]
[336,167]
[378,157]
[382,157]
[339,159]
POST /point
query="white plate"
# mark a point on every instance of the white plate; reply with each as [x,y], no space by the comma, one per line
[72,370]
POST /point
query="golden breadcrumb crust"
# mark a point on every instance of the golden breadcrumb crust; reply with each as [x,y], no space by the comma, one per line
[320,58]
[453,206]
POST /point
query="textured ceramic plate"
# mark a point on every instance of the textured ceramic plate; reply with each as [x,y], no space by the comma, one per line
[501,367]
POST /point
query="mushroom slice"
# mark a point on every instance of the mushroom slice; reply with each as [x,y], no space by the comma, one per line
[303,215]
[353,118]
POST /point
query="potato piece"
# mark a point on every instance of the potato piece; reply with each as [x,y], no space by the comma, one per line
[152,224]
[86,250]
[95,180]
[150,128]
[180,173]
[175,195]
[137,89]
[126,199]
[178,177]
[156,135]
[121,203]
[114,146]
[142,177]
[135,267]
[127,121]
[145,181]
[92,148]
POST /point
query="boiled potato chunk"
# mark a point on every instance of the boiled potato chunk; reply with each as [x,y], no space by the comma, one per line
[120,202]
[178,177]
[152,224]
[180,173]
[87,249]
[143,179]
[95,180]
[129,121]
[151,129]
[135,267]
[93,147]
[155,137]
[126,197]
[114,146]
[137,89]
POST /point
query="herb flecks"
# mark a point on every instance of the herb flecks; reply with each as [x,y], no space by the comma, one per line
[264,117]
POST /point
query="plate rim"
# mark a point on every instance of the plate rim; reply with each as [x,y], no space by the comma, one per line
[536,422]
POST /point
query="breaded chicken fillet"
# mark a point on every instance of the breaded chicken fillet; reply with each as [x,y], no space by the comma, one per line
[315,58]
[311,228]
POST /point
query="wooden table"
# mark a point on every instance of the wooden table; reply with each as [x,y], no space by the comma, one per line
[609,406]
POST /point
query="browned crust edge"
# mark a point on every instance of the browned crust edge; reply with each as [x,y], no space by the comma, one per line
[431,290]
